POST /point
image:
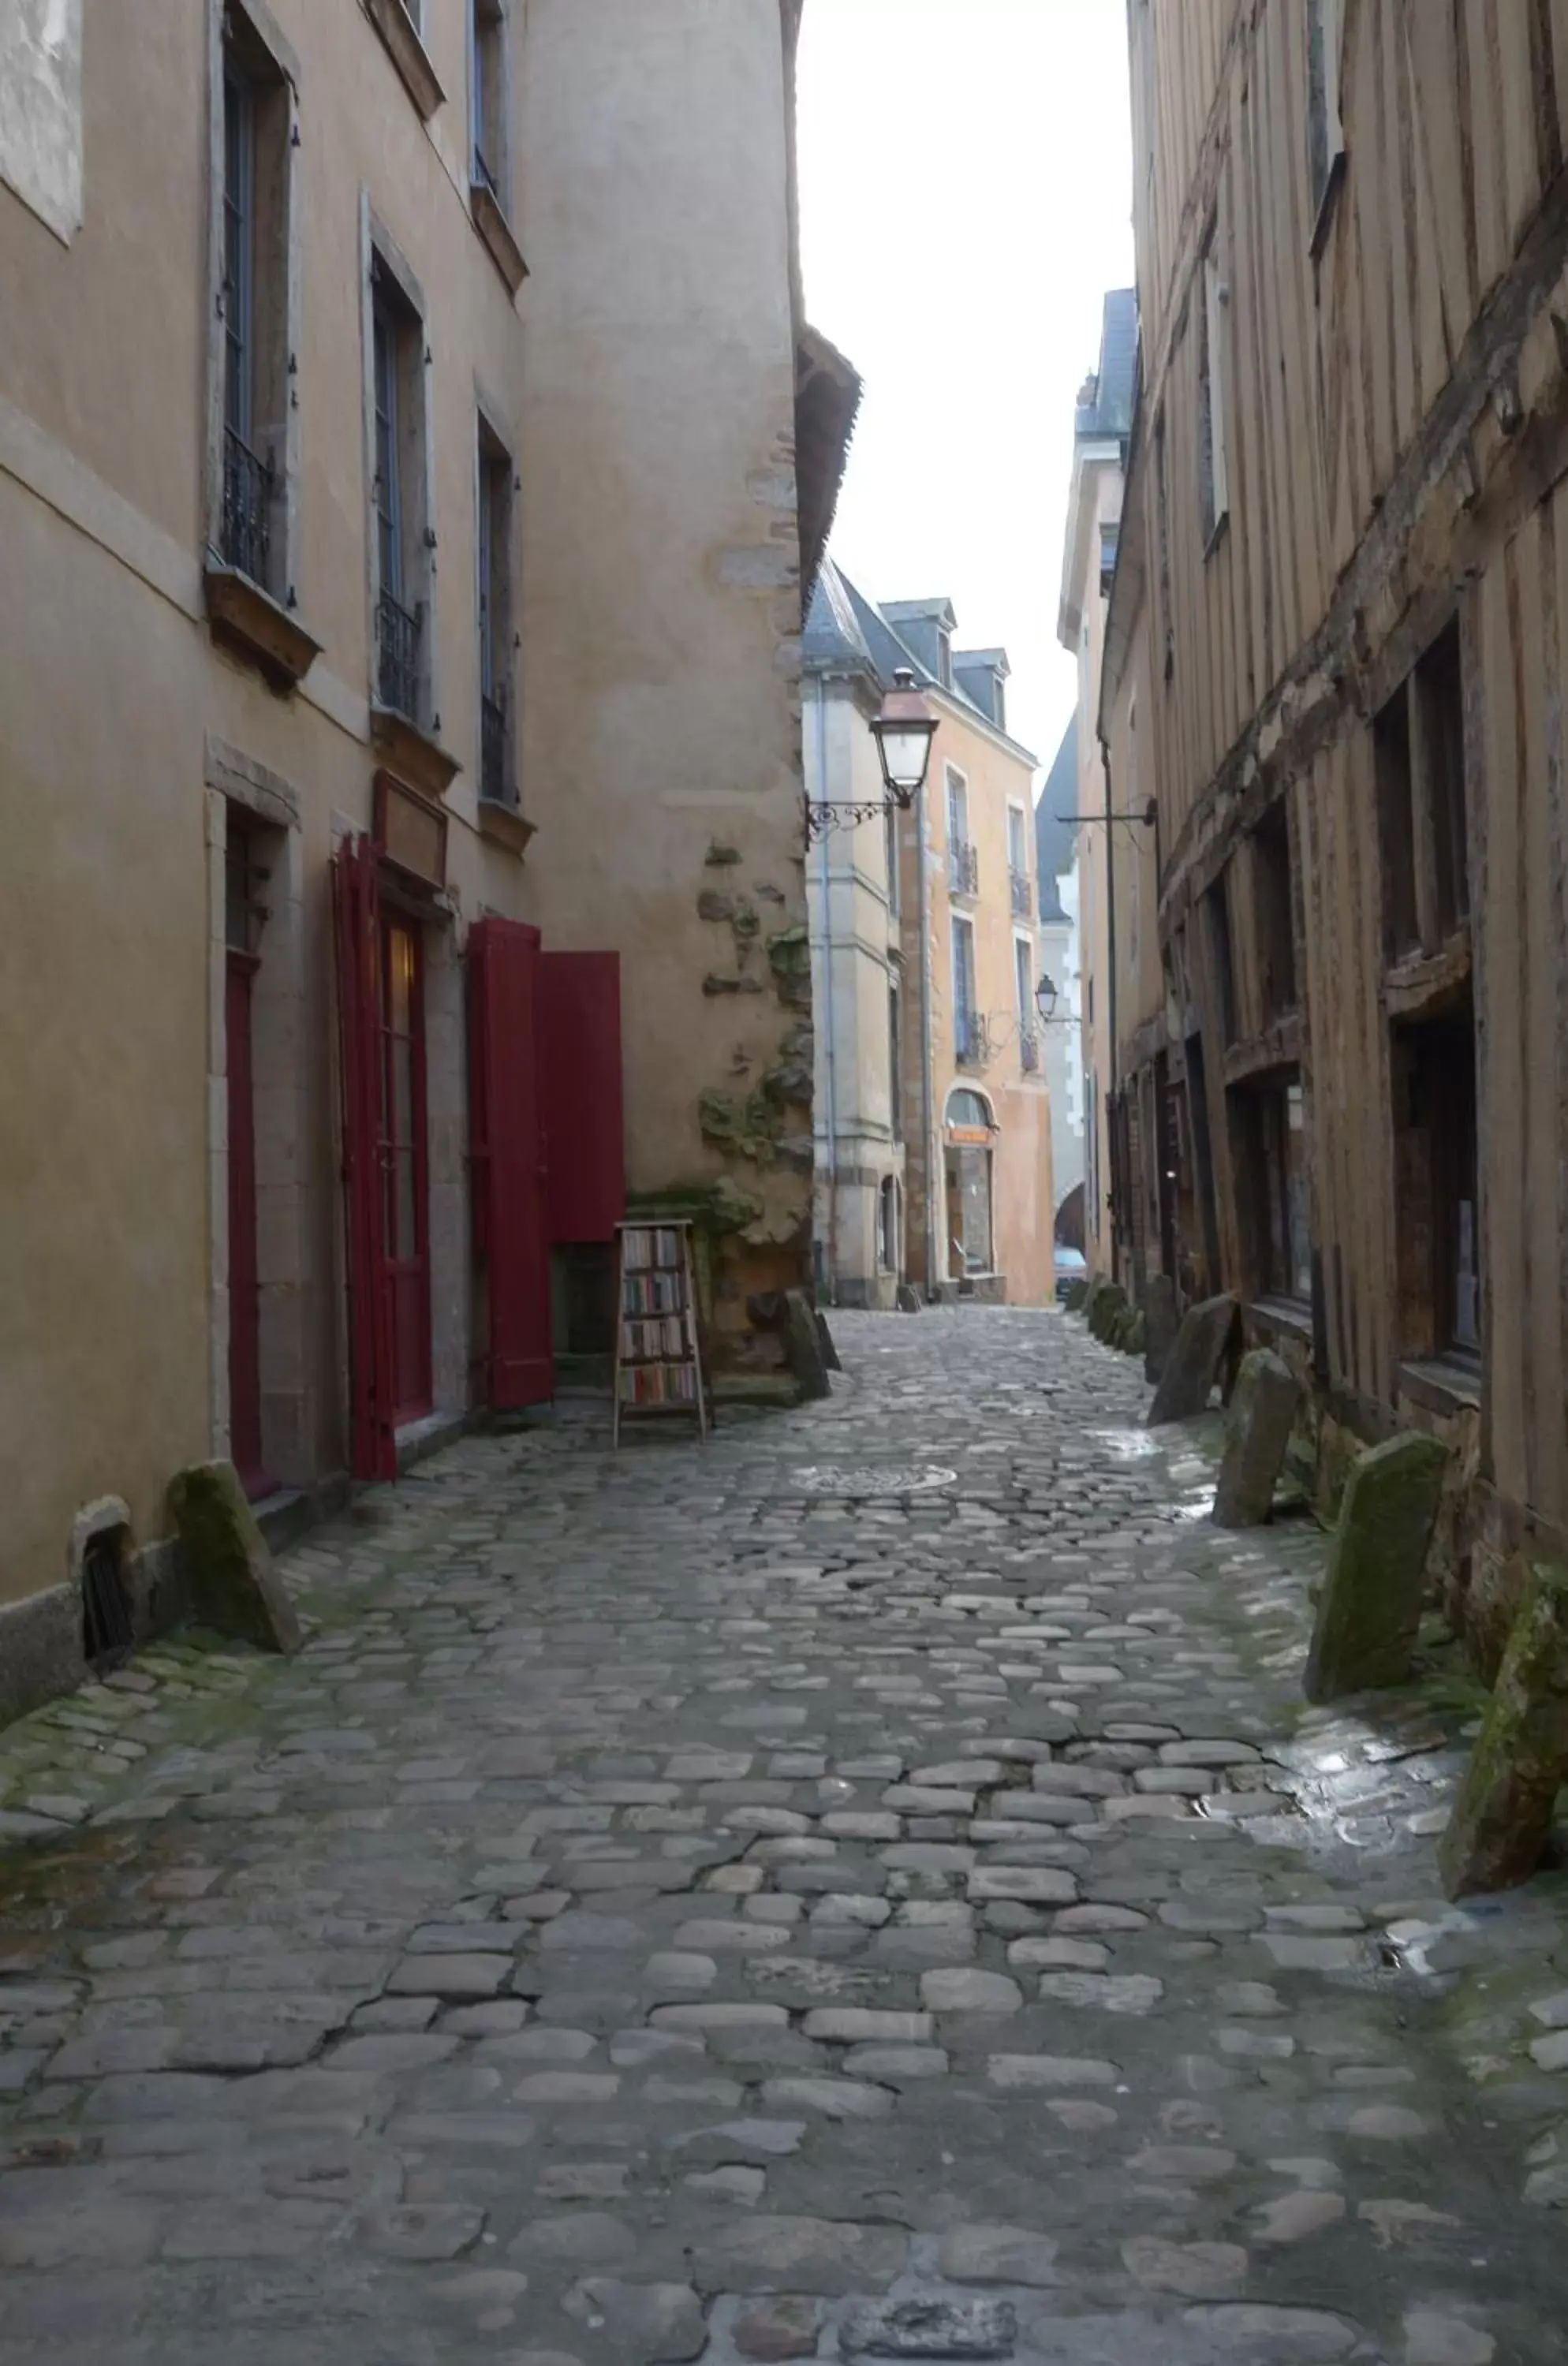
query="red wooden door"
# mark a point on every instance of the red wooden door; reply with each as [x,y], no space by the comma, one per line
[405,1222]
[244,1284]
[357,914]
[580,1094]
[508,1163]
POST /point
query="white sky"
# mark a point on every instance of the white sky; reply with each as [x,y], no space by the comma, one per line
[966,201]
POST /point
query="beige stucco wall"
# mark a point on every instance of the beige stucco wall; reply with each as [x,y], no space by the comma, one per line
[855,942]
[1098,489]
[644,381]
[998,773]
[661,606]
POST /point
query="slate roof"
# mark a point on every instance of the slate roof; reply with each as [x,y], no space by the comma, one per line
[1108,409]
[845,634]
[1056,842]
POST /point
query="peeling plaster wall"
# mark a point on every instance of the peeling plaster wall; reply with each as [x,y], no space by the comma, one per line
[41,108]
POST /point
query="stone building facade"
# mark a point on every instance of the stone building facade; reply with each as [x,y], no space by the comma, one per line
[410,448]
[1333,656]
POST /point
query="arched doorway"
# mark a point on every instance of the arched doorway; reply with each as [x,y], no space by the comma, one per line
[969,1136]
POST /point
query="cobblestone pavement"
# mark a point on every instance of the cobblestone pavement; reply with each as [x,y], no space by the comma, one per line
[865,1889]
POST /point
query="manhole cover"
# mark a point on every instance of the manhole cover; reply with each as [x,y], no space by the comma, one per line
[893,1479]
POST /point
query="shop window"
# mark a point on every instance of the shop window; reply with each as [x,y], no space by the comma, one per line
[1270,1120]
[1418,742]
[1436,1185]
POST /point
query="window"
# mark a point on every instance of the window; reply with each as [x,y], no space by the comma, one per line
[488,92]
[962,864]
[253,305]
[1272,913]
[403,542]
[1018,882]
[1213,470]
[888,1225]
[1280,1166]
[890,826]
[1325,135]
[1436,1185]
[497,778]
[895,1062]
[944,658]
[1418,744]
[1024,989]
[968,1030]
[1162,500]
[1216,903]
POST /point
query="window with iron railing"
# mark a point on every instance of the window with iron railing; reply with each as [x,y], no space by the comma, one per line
[1029,1052]
[253,304]
[968,1028]
[963,868]
[494,546]
[1021,894]
[488,94]
[403,541]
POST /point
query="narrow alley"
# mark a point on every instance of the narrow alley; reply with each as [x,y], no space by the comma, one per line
[864,1888]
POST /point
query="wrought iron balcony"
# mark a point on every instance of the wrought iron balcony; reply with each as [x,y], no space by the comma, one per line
[247,508]
[1029,1052]
[1023,893]
[399,632]
[963,868]
[492,751]
[972,1045]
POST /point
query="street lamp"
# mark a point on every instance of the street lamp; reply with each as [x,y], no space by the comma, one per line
[904,730]
[1045,1000]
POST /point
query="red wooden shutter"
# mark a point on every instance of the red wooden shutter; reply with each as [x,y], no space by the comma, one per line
[507,1150]
[356,912]
[580,1070]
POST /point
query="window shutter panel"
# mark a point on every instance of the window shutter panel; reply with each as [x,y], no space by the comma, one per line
[356,915]
[581,1081]
[507,1154]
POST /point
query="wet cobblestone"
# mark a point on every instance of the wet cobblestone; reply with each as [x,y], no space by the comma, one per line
[867,1884]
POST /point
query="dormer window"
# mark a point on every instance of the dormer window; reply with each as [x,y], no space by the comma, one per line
[944,660]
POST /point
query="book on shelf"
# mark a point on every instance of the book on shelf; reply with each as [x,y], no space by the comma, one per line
[647,1246]
[656,1384]
[643,1342]
[654,1293]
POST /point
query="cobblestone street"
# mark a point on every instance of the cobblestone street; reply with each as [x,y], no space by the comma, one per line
[867,1889]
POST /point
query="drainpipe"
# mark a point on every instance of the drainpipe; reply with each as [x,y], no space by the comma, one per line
[1110,967]
[830,1063]
[927,1111]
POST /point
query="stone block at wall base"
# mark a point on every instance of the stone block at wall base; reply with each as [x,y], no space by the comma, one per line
[1202,1345]
[1257,1432]
[1503,1815]
[40,1650]
[807,1361]
[233,1583]
[1371,1609]
[41,1653]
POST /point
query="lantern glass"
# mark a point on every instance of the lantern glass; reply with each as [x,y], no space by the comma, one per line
[904,732]
[1046,1000]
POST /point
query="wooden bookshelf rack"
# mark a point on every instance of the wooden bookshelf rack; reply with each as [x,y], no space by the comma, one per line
[659,1359]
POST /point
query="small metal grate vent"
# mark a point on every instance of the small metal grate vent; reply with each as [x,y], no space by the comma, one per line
[107,1635]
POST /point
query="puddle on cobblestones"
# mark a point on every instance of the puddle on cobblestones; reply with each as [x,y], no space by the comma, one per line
[853,1485]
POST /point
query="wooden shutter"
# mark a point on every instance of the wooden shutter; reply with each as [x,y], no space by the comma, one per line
[580,1083]
[357,914]
[508,1163]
